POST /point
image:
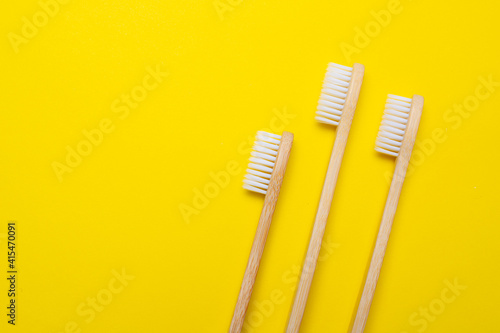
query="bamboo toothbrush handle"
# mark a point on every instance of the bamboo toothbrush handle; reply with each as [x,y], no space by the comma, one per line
[391,205]
[325,200]
[262,231]
[380,247]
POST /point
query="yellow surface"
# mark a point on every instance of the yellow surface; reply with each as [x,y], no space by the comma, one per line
[244,66]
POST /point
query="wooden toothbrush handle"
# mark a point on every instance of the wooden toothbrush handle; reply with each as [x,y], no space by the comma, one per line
[262,231]
[325,201]
[379,250]
[391,205]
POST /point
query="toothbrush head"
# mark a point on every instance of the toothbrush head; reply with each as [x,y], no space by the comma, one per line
[334,93]
[394,125]
[262,162]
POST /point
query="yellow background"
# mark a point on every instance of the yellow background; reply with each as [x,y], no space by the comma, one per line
[120,208]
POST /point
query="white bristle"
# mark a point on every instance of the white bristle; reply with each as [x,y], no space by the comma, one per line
[333,95]
[262,162]
[393,126]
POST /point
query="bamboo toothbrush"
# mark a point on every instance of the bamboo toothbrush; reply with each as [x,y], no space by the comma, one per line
[264,175]
[336,107]
[396,137]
